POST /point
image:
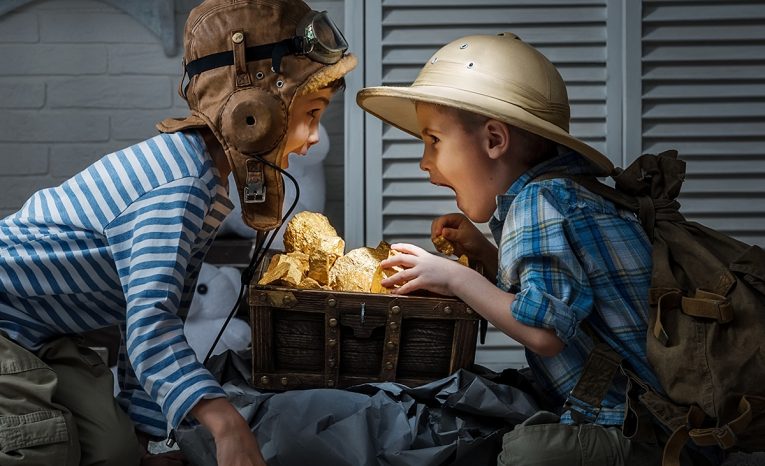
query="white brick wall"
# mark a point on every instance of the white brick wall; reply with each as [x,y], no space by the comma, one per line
[80,78]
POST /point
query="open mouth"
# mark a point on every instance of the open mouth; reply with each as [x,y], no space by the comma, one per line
[442,185]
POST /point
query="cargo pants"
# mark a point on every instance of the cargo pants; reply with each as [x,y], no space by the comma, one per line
[542,441]
[57,408]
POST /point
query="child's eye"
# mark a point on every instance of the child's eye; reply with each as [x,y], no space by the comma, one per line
[314,113]
[434,139]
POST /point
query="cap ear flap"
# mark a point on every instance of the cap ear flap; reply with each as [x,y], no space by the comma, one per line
[253,121]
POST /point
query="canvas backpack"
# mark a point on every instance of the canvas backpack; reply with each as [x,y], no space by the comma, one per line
[706,327]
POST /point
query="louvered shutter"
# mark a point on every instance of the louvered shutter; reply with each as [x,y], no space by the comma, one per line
[703,92]
[400,36]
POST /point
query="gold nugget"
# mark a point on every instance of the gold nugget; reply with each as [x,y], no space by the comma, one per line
[381,274]
[305,230]
[355,270]
[329,249]
[443,245]
[284,270]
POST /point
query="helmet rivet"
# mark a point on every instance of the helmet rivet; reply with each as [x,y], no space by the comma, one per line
[237,37]
[463,46]
[279,83]
[470,65]
[435,59]
[259,75]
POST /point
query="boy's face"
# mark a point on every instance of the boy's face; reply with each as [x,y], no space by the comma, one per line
[303,125]
[455,157]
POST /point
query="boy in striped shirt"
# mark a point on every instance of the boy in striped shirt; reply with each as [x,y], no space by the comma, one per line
[121,243]
[493,115]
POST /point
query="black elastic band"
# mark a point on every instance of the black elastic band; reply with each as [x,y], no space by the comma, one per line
[257,52]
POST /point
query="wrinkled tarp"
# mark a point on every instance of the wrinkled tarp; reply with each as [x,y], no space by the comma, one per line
[458,420]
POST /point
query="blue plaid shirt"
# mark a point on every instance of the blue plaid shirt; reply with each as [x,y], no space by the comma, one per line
[571,256]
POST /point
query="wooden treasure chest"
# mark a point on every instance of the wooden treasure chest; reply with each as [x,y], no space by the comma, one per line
[318,338]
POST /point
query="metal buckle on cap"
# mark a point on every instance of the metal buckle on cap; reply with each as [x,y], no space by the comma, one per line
[581,412]
[255,187]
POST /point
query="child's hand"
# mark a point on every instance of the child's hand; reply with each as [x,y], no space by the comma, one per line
[467,239]
[422,271]
[235,444]
[464,235]
[239,448]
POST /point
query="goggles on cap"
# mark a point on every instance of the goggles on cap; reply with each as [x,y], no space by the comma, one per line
[321,40]
[316,37]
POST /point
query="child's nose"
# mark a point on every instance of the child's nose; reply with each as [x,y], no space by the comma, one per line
[313,136]
[425,162]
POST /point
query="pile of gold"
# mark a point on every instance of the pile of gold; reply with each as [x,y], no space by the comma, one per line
[314,258]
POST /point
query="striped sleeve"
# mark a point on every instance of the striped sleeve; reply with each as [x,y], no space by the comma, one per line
[151,242]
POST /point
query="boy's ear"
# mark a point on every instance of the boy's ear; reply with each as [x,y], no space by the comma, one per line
[497,138]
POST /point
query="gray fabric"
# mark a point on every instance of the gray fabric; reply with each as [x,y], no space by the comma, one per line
[456,420]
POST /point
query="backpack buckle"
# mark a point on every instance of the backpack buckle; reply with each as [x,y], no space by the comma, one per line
[725,436]
[581,412]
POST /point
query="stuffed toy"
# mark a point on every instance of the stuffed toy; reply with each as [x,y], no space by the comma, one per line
[308,170]
[217,291]
[215,295]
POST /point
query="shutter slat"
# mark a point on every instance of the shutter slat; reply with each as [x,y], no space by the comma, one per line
[704,52]
[695,32]
[716,72]
[423,17]
[704,110]
[436,4]
[708,91]
[709,150]
[703,12]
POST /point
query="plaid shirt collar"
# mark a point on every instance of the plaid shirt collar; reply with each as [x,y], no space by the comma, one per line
[570,162]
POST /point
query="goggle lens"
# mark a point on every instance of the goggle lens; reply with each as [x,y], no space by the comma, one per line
[323,41]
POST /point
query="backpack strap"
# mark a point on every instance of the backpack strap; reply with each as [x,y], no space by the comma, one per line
[724,436]
[602,365]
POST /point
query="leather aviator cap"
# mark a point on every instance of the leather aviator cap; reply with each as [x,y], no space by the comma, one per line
[247,60]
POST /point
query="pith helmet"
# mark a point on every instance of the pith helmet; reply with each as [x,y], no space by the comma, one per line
[498,76]
[246,61]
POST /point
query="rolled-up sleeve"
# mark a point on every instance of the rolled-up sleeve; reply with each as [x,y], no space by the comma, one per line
[537,261]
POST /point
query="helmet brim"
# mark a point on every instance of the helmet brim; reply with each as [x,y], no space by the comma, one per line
[396,106]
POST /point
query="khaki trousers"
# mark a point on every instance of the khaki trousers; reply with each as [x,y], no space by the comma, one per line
[542,441]
[57,408]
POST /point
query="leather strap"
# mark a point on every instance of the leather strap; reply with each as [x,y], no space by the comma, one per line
[667,302]
[592,386]
[676,441]
[725,436]
[240,61]
[709,306]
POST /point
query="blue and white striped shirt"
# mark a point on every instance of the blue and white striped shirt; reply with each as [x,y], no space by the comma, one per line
[571,256]
[120,243]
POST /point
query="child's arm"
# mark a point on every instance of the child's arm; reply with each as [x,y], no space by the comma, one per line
[427,271]
[235,444]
